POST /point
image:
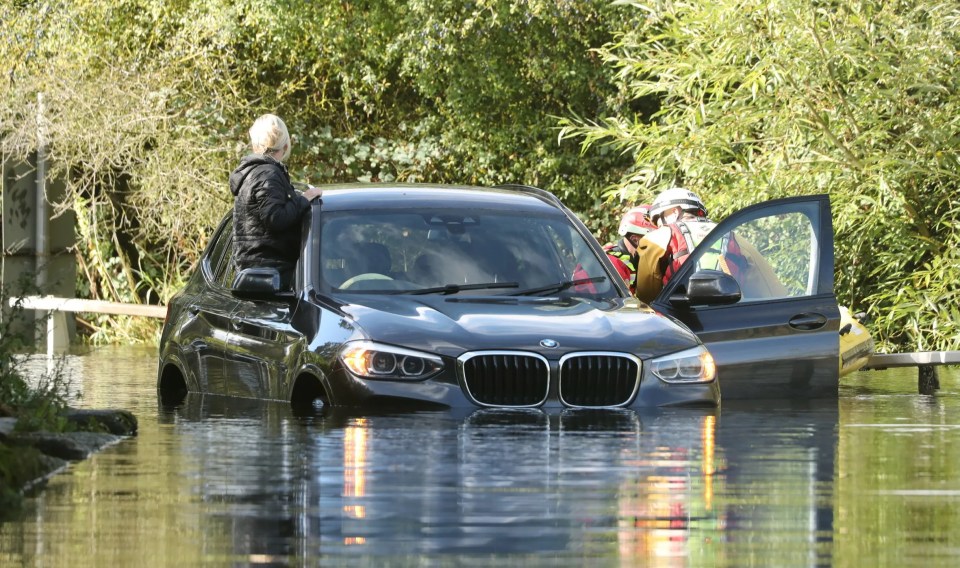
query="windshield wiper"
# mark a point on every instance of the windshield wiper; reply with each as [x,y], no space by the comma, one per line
[455,288]
[559,286]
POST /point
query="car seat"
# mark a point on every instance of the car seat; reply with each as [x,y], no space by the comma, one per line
[497,261]
[369,257]
[428,269]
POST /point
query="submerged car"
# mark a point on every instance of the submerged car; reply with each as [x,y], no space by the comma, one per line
[452,296]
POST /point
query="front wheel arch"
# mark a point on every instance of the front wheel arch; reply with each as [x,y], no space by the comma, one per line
[308,388]
[172,385]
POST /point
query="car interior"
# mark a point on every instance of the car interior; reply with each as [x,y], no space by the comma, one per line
[409,251]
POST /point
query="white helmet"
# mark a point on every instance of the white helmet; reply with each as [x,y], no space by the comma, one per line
[677,197]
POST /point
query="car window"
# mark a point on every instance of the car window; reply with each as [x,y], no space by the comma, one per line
[228,268]
[413,250]
[770,257]
[220,257]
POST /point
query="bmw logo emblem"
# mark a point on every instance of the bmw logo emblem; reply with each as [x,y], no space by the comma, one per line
[549,343]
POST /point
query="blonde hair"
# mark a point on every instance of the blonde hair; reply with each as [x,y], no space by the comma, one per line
[268,135]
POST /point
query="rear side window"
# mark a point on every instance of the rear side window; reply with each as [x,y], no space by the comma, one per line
[220,258]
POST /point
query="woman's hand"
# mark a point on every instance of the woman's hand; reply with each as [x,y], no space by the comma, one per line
[312,192]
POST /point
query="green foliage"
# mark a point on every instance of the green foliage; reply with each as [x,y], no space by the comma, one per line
[145,106]
[41,406]
[497,72]
[18,467]
[755,99]
[38,405]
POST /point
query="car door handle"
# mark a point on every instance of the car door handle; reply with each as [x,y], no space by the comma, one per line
[808,321]
[236,322]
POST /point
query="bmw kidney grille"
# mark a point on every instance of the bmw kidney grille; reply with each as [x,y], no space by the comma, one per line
[521,380]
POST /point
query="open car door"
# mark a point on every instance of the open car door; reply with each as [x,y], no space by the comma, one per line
[758,291]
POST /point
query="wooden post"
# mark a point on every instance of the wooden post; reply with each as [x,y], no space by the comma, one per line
[926,363]
[927,380]
[56,309]
[58,338]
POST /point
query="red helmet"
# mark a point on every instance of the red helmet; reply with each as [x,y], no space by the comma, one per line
[636,221]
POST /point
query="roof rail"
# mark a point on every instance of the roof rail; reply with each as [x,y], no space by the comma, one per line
[541,193]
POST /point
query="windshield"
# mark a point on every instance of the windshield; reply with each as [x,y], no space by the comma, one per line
[448,252]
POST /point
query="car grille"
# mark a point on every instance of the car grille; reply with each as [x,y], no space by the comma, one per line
[590,380]
[517,379]
[506,379]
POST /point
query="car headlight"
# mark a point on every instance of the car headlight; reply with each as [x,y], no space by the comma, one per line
[371,360]
[694,365]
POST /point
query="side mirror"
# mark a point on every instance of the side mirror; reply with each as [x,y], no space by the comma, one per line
[256,283]
[708,288]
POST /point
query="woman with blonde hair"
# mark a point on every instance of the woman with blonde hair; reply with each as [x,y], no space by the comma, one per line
[267,210]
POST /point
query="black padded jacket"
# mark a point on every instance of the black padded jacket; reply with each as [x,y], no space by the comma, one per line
[267,213]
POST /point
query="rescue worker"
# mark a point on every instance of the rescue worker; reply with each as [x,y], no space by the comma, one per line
[681,219]
[623,253]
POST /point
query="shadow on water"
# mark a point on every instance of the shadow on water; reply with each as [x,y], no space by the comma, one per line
[871,478]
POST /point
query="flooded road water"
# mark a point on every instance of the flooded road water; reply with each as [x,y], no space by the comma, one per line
[870,480]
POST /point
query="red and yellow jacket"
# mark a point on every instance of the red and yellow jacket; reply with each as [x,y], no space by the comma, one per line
[624,262]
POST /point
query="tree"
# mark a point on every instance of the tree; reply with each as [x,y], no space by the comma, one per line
[755,99]
[147,102]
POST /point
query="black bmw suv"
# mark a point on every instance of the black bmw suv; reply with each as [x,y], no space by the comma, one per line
[452,296]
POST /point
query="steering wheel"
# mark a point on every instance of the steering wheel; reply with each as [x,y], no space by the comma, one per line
[363,278]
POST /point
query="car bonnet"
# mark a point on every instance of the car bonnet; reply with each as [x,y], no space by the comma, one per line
[452,325]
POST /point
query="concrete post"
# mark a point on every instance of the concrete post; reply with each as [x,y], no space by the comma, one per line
[42,251]
[35,249]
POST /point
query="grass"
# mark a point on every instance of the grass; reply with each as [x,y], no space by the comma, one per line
[37,407]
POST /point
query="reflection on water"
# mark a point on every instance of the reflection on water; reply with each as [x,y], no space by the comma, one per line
[871,479]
